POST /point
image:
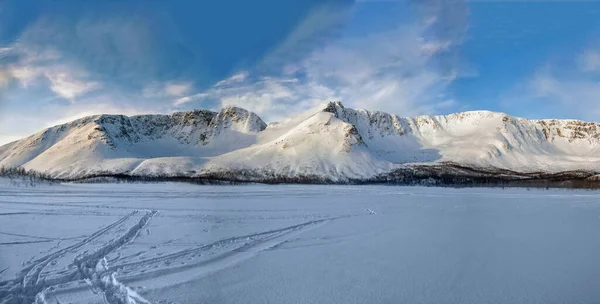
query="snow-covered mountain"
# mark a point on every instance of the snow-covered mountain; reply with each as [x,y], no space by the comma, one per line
[478,138]
[139,145]
[329,142]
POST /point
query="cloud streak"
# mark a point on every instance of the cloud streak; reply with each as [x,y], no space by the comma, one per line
[404,70]
[322,24]
[34,66]
[177,89]
[6,74]
[448,25]
[567,91]
[589,61]
[65,85]
[577,97]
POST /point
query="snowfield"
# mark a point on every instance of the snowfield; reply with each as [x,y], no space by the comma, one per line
[180,243]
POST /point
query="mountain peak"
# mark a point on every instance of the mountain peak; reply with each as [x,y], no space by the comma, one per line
[331,106]
[248,121]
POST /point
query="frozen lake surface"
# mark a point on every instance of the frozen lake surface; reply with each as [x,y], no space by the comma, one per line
[179,243]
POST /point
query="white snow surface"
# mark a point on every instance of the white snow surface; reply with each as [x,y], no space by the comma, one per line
[180,243]
[329,141]
[143,144]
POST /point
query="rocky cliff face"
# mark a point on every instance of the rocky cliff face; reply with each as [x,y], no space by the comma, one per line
[193,128]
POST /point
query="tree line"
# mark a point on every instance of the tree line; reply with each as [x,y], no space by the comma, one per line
[444,175]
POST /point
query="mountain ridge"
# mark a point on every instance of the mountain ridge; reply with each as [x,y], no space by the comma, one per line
[329,142]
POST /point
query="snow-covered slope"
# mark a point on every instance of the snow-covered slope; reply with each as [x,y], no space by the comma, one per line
[329,141]
[143,144]
[313,144]
[479,138]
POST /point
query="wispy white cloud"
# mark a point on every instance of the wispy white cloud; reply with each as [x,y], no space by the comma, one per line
[166,90]
[75,57]
[575,95]
[5,78]
[322,23]
[117,44]
[4,51]
[6,74]
[45,67]
[394,71]
[574,90]
[236,78]
[559,91]
[272,97]
[178,89]
[589,60]
[42,74]
[186,99]
[67,86]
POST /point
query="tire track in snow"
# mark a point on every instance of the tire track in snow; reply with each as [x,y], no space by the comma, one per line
[28,287]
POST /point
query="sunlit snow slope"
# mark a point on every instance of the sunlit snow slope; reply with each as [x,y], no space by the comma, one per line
[144,144]
[329,141]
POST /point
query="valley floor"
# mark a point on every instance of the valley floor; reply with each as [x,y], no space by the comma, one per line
[181,243]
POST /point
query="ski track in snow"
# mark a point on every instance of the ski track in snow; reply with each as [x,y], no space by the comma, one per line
[30,285]
[180,266]
[37,284]
[93,268]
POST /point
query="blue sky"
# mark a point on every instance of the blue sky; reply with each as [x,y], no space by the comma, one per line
[63,59]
